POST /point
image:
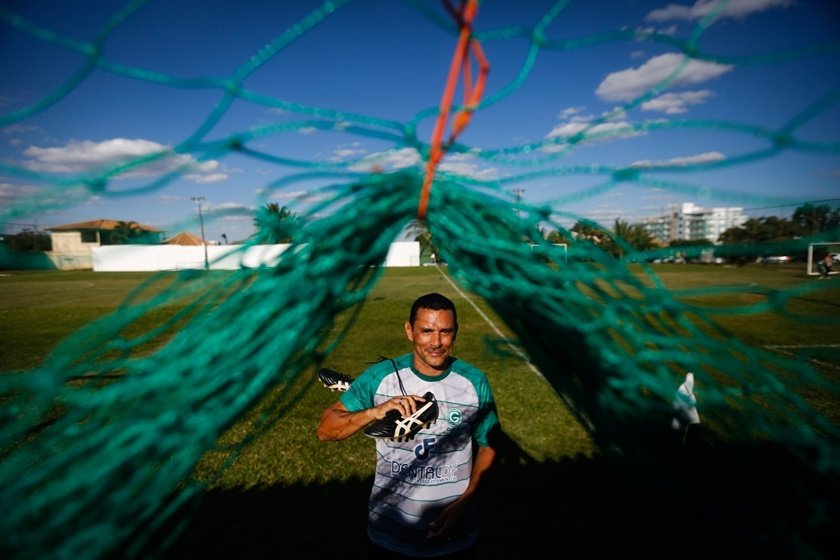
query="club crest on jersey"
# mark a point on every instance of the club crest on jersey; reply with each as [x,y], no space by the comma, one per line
[454,416]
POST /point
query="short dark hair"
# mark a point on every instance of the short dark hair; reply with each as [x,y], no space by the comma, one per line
[434,301]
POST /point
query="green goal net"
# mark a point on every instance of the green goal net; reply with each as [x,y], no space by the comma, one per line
[133,400]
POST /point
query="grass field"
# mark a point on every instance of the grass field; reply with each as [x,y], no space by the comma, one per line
[288,495]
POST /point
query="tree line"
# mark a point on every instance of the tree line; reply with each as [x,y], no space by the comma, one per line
[756,237]
[278,224]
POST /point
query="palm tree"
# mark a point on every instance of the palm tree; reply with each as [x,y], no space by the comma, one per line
[584,229]
[811,219]
[635,236]
[275,224]
[126,232]
[554,236]
[420,230]
[622,231]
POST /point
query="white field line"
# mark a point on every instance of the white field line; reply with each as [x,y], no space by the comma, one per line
[785,349]
[493,326]
[779,346]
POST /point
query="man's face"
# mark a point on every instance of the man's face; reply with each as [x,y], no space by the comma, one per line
[433,336]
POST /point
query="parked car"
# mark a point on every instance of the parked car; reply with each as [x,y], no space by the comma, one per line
[774,259]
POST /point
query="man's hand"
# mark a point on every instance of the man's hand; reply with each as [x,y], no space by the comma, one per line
[448,520]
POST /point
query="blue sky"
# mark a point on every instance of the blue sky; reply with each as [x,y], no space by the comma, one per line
[384,63]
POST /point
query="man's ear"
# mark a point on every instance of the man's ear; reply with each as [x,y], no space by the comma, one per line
[409,333]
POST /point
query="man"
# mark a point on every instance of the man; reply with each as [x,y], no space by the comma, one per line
[423,498]
[825,265]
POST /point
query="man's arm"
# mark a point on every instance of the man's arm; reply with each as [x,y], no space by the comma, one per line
[338,423]
[453,514]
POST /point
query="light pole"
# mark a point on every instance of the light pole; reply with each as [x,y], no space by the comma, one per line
[198,199]
[518,192]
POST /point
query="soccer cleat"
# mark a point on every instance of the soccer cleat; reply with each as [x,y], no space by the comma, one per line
[397,428]
[333,380]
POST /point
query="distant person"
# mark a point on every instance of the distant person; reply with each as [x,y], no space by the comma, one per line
[685,408]
[423,499]
[825,265]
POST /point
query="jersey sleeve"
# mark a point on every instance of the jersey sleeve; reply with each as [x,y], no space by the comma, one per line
[359,395]
[361,392]
[488,416]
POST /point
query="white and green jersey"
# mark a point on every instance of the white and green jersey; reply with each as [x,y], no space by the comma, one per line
[416,479]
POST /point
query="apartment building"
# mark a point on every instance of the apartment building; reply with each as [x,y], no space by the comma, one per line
[690,223]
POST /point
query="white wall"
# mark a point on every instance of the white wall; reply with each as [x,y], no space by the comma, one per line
[69,252]
[126,258]
[403,253]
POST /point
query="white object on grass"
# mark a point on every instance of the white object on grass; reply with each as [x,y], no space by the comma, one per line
[685,405]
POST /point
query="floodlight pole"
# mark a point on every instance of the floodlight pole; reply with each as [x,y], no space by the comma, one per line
[198,199]
[518,192]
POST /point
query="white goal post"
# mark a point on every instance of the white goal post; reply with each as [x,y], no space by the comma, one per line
[563,246]
[822,247]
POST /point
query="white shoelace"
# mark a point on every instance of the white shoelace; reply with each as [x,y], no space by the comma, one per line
[404,425]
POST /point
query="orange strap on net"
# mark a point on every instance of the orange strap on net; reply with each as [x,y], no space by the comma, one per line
[472,93]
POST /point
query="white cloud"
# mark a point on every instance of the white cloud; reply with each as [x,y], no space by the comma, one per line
[605,128]
[675,103]
[458,163]
[9,192]
[352,151]
[204,179]
[279,194]
[91,157]
[20,129]
[631,83]
[389,160]
[41,197]
[207,172]
[570,112]
[701,8]
[232,206]
[706,157]
[670,30]
[467,165]
[577,124]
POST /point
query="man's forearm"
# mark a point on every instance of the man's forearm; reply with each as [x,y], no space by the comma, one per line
[338,423]
[484,460]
